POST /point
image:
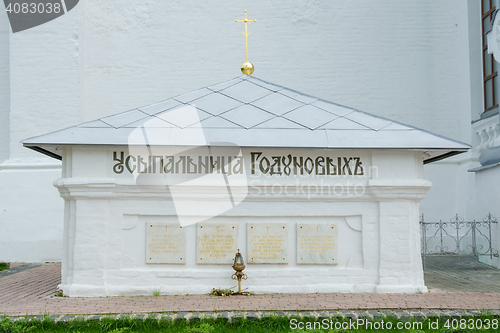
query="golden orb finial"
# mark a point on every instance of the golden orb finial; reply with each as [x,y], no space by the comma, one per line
[247,67]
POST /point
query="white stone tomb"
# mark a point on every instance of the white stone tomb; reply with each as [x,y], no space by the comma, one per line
[318,197]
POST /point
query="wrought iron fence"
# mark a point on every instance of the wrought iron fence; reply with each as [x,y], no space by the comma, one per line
[458,237]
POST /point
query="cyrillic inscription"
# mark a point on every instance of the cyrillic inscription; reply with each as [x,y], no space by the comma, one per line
[177,164]
[165,243]
[317,243]
[259,164]
[267,243]
[216,243]
[300,165]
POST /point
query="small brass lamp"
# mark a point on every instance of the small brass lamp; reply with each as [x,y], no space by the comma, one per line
[239,266]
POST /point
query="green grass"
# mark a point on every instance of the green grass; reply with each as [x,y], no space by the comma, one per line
[276,324]
[3,266]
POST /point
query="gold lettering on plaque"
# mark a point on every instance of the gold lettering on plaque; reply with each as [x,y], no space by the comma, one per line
[267,244]
[316,248]
[216,243]
[164,247]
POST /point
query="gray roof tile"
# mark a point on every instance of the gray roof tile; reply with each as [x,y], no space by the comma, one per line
[124,118]
[150,122]
[191,96]
[247,115]
[216,103]
[215,122]
[224,85]
[246,92]
[280,122]
[395,127]
[333,108]
[159,107]
[367,120]
[342,123]
[264,84]
[182,117]
[277,104]
[310,116]
[95,124]
[298,96]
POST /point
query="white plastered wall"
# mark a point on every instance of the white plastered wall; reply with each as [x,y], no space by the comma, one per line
[398,59]
[454,188]
[488,183]
[43,96]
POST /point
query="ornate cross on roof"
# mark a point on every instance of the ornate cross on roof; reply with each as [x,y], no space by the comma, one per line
[247,67]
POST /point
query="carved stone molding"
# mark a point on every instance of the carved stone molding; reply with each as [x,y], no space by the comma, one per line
[488,131]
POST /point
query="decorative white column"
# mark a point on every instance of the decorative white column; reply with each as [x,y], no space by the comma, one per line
[400,269]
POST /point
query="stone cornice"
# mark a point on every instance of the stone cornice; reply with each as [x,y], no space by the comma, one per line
[373,190]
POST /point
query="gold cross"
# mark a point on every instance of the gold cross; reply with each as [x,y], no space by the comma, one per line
[267,229]
[217,227]
[166,229]
[317,229]
[246,21]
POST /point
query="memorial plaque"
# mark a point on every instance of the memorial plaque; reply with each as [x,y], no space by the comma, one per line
[217,243]
[267,243]
[165,243]
[317,243]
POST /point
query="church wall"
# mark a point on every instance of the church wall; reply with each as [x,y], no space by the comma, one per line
[454,188]
[4,88]
[404,69]
[44,97]
[488,182]
[30,213]
[398,59]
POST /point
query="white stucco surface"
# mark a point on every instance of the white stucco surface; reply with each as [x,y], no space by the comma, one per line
[488,195]
[4,88]
[30,214]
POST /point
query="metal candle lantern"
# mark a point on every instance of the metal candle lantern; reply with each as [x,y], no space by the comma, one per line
[239,266]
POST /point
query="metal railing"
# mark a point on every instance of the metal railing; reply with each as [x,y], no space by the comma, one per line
[458,237]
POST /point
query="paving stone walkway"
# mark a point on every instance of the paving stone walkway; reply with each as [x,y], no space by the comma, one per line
[16,268]
[32,292]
